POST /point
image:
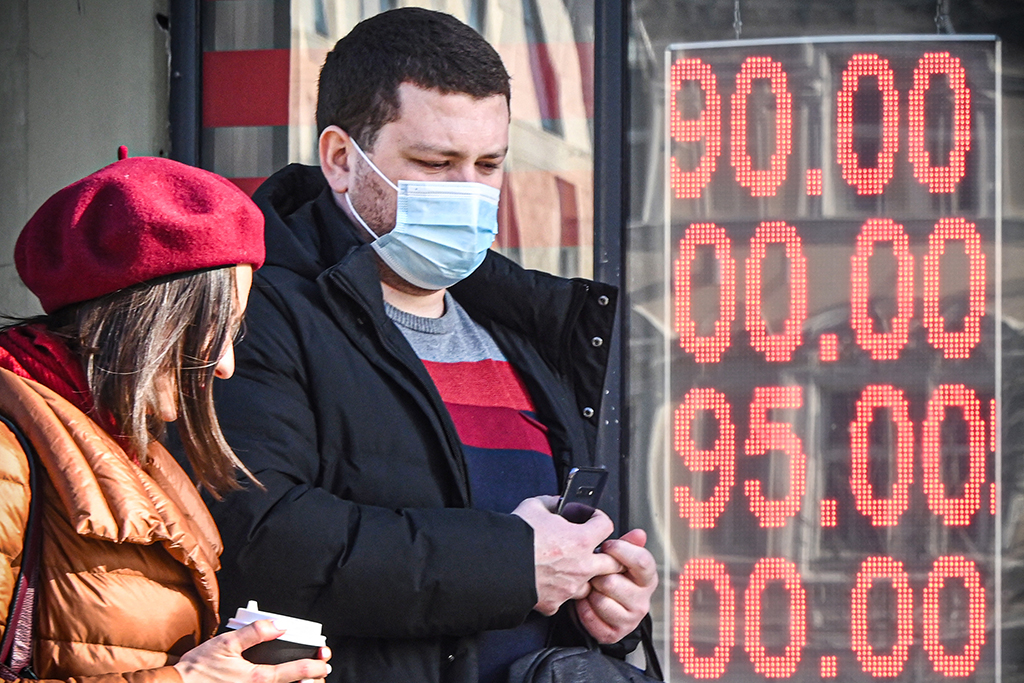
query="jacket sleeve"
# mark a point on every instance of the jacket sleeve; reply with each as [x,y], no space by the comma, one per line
[165,674]
[361,570]
[15,497]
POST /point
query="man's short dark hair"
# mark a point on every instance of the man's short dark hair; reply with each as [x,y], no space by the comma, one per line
[359,81]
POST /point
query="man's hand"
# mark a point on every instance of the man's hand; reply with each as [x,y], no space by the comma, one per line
[617,602]
[563,552]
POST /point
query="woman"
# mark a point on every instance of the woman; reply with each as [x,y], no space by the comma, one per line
[143,269]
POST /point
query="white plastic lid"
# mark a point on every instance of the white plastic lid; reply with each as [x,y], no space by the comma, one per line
[295,630]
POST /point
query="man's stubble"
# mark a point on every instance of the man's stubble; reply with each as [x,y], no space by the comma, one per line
[377,203]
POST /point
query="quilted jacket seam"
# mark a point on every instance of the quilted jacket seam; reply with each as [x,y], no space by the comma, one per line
[88,643]
[56,572]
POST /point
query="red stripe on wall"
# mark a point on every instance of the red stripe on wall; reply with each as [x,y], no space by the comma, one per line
[481,383]
[247,185]
[569,212]
[498,428]
[246,88]
[586,53]
[508,230]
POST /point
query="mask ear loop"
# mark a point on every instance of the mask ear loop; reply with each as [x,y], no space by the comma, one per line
[359,218]
[378,172]
[372,165]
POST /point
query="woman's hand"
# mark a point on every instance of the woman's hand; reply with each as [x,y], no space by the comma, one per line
[220,659]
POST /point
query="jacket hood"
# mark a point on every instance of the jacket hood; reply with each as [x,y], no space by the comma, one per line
[306,232]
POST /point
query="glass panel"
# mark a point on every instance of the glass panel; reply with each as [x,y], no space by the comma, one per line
[546,217]
[824,324]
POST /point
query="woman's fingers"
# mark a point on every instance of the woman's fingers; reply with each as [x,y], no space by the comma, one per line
[253,634]
[299,670]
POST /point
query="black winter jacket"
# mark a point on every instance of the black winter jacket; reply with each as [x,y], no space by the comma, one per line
[366,524]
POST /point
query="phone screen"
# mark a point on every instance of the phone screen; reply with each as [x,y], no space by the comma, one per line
[582,492]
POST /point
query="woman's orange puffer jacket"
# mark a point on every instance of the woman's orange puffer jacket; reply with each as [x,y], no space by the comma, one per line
[129,552]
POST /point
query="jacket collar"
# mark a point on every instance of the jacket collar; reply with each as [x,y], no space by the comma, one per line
[309,234]
[532,303]
[107,496]
[306,232]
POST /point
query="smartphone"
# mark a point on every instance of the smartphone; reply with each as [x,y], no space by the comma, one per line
[582,492]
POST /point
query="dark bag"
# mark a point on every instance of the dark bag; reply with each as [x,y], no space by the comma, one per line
[586,664]
[16,645]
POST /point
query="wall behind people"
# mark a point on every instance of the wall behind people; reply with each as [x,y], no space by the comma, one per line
[262,58]
[77,79]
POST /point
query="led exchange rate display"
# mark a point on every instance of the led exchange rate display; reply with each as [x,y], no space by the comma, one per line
[833,211]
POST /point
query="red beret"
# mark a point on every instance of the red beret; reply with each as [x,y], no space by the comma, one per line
[135,220]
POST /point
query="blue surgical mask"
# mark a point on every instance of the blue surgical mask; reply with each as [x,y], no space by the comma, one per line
[443,229]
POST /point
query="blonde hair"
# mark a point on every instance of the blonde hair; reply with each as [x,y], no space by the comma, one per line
[127,340]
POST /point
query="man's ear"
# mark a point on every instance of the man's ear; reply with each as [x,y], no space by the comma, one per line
[336,154]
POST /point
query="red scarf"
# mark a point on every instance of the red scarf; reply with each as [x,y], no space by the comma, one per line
[32,352]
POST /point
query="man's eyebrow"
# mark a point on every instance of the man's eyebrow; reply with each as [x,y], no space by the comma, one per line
[426,148]
[496,155]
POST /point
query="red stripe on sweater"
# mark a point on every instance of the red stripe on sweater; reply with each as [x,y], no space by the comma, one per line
[480,383]
[498,428]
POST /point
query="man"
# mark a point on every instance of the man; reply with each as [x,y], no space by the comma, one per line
[410,410]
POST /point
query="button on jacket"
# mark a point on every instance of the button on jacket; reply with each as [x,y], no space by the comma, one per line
[367,524]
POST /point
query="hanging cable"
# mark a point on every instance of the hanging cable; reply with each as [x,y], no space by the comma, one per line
[737,23]
[943,24]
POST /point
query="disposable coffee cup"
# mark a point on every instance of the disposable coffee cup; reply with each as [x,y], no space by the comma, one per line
[301,639]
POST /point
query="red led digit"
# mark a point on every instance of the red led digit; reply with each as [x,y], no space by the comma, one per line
[954,344]
[704,569]
[722,456]
[784,665]
[705,349]
[944,663]
[993,430]
[882,665]
[813,181]
[993,424]
[707,127]
[768,436]
[954,511]
[867,180]
[939,179]
[881,345]
[881,511]
[761,183]
[828,507]
[829,666]
[777,347]
[828,348]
